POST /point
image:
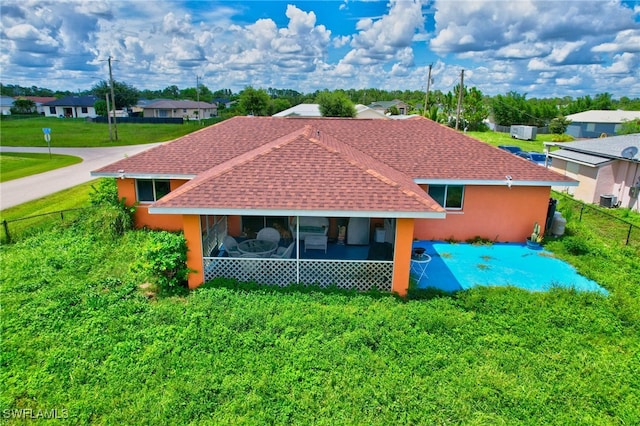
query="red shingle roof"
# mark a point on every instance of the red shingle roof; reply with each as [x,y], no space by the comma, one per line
[324,164]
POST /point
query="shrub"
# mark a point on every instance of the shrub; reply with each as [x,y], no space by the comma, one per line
[576,245]
[164,257]
[562,138]
[111,216]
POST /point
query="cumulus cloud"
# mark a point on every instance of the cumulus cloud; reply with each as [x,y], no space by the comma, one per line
[536,46]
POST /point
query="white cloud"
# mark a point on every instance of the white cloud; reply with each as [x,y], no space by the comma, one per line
[588,46]
[628,41]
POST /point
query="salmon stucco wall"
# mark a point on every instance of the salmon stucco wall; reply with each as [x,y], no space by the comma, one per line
[496,213]
[169,222]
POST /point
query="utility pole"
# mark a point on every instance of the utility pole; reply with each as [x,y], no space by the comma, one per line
[426,96]
[113,101]
[460,90]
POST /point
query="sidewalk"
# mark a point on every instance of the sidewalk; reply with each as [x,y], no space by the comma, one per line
[32,187]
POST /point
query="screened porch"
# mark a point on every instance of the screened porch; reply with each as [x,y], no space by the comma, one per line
[344,252]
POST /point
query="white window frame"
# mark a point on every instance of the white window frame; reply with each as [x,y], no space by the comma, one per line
[446,190]
[153,182]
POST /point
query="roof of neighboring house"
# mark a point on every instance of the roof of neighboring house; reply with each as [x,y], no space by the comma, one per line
[599,150]
[603,116]
[172,104]
[579,157]
[37,99]
[74,101]
[386,104]
[313,110]
[319,164]
[301,110]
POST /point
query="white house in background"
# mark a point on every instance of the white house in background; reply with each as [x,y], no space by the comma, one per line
[608,169]
[71,107]
[597,123]
[189,110]
[313,110]
[6,102]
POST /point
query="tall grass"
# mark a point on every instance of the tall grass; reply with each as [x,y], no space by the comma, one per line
[81,333]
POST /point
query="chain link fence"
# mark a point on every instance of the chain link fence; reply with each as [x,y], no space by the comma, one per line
[16,229]
[612,227]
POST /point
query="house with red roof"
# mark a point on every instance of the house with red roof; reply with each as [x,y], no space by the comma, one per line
[338,184]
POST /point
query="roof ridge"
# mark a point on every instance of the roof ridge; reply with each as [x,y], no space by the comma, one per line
[239,160]
[376,168]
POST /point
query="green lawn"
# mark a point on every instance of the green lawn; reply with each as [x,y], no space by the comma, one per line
[15,165]
[67,132]
[497,138]
[79,334]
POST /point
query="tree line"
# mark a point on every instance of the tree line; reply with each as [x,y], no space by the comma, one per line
[476,108]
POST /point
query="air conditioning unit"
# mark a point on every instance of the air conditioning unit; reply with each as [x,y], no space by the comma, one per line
[608,200]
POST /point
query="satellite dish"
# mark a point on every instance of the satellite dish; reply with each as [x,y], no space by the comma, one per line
[629,152]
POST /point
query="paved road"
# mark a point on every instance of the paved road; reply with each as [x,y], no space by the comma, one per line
[19,191]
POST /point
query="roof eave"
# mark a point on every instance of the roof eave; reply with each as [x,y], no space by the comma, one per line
[322,213]
[124,175]
[491,182]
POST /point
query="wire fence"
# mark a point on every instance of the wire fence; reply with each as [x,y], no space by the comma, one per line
[610,227]
[15,229]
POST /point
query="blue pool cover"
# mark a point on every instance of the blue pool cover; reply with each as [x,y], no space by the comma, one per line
[462,266]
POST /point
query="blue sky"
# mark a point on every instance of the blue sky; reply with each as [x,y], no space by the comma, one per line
[539,47]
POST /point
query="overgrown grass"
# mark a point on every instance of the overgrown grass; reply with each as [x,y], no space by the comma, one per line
[78,334]
[72,198]
[69,132]
[15,165]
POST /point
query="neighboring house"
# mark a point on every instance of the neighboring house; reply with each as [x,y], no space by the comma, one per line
[6,103]
[597,123]
[608,169]
[190,110]
[414,179]
[313,110]
[227,103]
[71,107]
[39,101]
[385,106]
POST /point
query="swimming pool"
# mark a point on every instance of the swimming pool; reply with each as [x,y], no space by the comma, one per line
[462,266]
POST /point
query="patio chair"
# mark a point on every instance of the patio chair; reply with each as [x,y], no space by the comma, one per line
[284,253]
[231,246]
[269,234]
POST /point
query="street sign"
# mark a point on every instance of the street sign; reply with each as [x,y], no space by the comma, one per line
[47,137]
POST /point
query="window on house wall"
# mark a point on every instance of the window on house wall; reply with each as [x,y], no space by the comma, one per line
[52,110]
[448,196]
[150,190]
[85,110]
[252,224]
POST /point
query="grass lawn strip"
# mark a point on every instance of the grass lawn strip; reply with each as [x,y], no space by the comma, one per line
[15,165]
[69,132]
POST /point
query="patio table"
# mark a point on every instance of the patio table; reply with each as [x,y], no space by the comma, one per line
[257,248]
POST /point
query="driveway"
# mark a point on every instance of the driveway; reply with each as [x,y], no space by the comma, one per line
[32,187]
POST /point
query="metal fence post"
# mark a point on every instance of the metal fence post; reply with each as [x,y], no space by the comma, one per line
[6,229]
